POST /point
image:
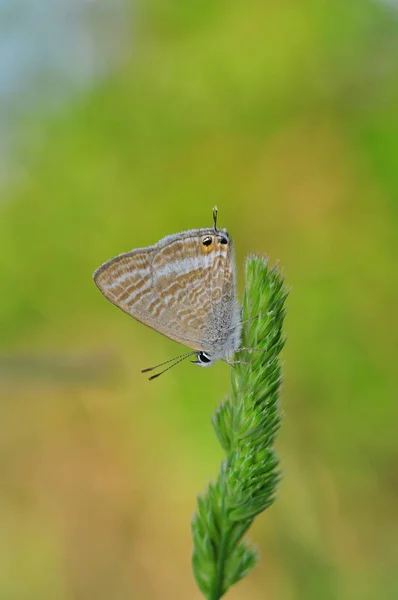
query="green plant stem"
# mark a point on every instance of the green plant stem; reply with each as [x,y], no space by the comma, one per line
[246,424]
[216,590]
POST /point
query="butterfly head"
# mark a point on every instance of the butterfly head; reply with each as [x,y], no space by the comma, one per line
[203,359]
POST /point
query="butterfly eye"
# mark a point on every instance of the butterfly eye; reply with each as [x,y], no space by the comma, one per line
[203,358]
[207,240]
[223,240]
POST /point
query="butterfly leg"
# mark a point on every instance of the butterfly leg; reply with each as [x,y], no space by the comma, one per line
[232,363]
[241,349]
[245,321]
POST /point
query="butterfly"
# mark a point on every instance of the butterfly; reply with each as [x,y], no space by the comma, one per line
[184,287]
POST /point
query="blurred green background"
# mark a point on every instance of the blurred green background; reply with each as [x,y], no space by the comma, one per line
[285,115]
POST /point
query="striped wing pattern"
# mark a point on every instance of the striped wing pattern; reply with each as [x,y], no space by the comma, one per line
[177,287]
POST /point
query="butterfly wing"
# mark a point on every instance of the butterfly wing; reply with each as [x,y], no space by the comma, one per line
[197,282]
[127,282]
[175,287]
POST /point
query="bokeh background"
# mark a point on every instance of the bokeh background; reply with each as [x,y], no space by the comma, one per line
[121,122]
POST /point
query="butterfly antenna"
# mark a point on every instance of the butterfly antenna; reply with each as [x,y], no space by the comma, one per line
[166,361]
[215,212]
[171,366]
[175,361]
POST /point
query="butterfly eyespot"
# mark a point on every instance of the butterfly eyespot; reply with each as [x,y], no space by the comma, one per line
[207,240]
